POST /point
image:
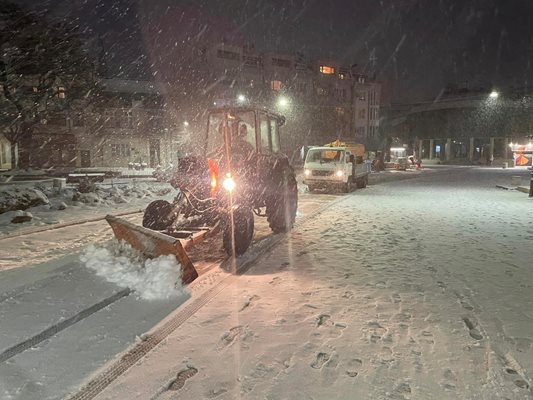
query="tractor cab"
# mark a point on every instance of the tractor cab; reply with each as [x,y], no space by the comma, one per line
[231,127]
[239,143]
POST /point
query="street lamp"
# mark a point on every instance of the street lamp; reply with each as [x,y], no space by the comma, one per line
[283,101]
[185,123]
[241,98]
[494,94]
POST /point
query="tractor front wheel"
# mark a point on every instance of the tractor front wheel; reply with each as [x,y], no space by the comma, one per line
[238,231]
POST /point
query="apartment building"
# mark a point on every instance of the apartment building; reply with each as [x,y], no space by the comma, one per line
[328,100]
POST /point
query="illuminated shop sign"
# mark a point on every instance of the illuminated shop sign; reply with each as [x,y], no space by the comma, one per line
[522,154]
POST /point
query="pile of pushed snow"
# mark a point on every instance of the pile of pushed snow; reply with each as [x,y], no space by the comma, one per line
[151,279]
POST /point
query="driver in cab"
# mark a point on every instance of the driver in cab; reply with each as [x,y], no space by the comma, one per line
[241,149]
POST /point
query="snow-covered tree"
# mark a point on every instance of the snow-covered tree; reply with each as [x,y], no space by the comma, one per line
[44,70]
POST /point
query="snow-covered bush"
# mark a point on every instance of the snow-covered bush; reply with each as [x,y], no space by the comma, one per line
[16,198]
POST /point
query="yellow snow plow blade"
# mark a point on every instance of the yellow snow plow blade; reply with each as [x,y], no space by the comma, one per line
[153,244]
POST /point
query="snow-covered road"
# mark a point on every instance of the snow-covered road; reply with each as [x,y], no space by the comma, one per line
[61,322]
[419,289]
[411,289]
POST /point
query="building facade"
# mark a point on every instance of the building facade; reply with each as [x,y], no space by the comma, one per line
[322,100]
[152,123]
[469,128]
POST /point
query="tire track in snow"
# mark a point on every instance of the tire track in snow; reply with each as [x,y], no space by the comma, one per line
[60,326]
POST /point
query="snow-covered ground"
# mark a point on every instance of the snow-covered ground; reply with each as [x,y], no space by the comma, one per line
[404,290]
[419,289]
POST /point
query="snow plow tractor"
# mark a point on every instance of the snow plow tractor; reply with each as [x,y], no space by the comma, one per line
[240,172]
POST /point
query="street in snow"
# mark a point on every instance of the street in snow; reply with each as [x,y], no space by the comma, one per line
[418,288]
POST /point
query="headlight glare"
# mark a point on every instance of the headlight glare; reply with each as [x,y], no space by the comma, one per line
[228,183]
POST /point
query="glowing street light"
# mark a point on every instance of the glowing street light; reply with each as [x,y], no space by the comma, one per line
[185,123]
[494,94]
[283,102]
[241,98]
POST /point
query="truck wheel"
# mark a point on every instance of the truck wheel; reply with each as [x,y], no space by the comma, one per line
[361,183]
[159,215]
[238,237]
[347,187]
[281,208]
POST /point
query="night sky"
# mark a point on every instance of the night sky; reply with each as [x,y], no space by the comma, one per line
[415,47]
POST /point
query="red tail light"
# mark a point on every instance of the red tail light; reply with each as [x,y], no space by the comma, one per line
[213,174]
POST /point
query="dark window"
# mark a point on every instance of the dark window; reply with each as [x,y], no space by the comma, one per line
[228,55]
[253,61]
[78,120]
[280,62]
[120,150]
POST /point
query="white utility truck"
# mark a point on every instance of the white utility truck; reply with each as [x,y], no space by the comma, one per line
[336,165]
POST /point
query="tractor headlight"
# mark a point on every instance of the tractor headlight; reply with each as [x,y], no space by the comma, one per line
[228,183]
[339,173]
[307,172]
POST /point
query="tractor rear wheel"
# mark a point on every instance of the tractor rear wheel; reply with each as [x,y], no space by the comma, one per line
[159,215]
[238,236]
[281,208]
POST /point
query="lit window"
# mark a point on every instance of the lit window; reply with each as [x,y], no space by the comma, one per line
[35,89]
[61,92]
[276,85]
[342,75]
[327,70]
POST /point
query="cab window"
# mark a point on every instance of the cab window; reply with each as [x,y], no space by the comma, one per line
[264,133]
[274,135]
